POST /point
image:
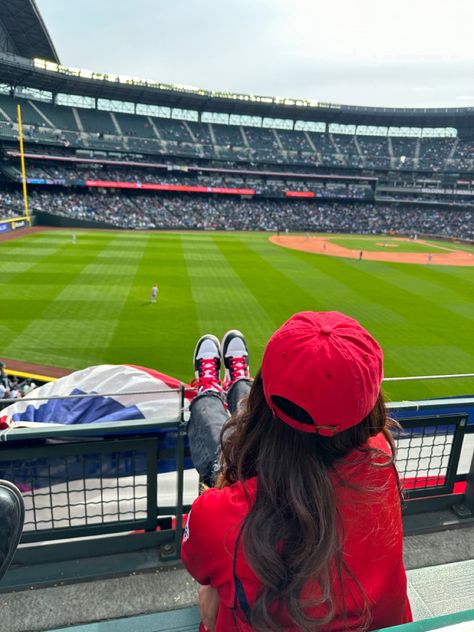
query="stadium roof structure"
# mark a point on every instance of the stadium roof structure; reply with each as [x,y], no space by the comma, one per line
[43,75]
[23,32]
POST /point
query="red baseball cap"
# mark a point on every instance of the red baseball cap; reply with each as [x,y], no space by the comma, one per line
[327,364]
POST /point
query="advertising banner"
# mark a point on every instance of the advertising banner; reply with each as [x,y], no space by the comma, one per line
[22,223]
[167,187]
[300,194]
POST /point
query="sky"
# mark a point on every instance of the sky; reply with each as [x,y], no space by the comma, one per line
[392,53]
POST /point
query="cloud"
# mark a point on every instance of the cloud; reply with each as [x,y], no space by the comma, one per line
[367,52]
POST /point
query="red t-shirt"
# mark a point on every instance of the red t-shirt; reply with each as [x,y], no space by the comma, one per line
[372,546]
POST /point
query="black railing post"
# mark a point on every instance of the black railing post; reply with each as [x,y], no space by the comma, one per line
[470,488]
[466,508]
[180,472]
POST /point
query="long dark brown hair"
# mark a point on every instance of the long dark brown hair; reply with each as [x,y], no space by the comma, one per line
[291,535]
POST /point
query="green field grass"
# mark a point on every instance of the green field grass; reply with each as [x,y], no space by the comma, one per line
[77,305]
[376,244]
[457,246]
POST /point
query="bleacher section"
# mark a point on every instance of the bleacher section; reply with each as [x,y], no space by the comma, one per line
[29,115]
[136,133]
[434,153]
[61,117]
[227,135]
[251,155]
[375,152]
[95,121]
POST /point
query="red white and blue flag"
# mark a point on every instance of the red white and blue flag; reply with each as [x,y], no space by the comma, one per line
[100,394]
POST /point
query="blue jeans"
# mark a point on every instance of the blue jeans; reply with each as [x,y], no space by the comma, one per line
[208,415]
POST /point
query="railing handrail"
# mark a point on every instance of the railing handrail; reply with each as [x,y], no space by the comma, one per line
[448,376]
[49,431]
[189,389]
[30,398]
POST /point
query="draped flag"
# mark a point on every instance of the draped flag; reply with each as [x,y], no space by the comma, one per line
[96,395]
[118,393]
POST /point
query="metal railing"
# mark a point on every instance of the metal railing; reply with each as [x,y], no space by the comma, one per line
[99,481]
[428,452]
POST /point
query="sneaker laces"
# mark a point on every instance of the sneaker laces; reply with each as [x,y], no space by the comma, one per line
[208,375]
[238,370]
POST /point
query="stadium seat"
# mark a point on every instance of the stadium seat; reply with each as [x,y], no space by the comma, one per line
[12,515]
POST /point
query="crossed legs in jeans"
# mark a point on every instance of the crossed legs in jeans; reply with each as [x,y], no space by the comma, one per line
[208,415]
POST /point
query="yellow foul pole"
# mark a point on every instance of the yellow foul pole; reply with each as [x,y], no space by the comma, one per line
[23,171]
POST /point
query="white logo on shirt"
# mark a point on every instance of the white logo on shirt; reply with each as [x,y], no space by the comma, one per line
[186,529]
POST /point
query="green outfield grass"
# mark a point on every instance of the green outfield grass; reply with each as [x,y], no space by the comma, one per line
[77,305]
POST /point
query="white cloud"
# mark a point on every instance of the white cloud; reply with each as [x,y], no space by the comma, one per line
[369,52]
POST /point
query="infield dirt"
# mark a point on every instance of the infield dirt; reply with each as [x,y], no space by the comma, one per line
[322,246]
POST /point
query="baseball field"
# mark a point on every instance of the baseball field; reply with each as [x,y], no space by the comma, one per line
[77,304]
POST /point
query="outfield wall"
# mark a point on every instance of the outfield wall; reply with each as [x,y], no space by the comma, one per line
[50,219]
[7,225]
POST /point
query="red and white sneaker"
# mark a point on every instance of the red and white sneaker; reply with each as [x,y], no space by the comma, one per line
[207,364]
[236,357]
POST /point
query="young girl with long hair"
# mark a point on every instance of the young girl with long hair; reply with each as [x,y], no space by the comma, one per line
[302,530]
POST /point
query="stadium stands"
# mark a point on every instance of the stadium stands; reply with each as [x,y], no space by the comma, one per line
[375,152]
[223,213]
[401,179]
[264,152]
[115,130]
[191,153]
[135,126]
[434,153]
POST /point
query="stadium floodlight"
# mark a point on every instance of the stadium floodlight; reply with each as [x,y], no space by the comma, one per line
[127,80]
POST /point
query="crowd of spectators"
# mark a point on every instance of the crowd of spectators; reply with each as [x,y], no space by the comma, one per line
[11,387]
[462,157]
[434,153]
[11,204]
[259,145]
[147,211]
[75,174]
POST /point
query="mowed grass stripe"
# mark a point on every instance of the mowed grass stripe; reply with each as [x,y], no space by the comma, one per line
[69,331]
[377,245]
[276,293]
[160,336]
[452,245]
[329,292]
[223,301]
[453,288]
[435,284]
[460,278]
[422,315]
[427,301]
[284,288]
[18,256]
[26,293]
[435,339]
[393,301]
[380,283]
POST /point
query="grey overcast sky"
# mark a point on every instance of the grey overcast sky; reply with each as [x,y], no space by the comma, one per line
[414,53]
